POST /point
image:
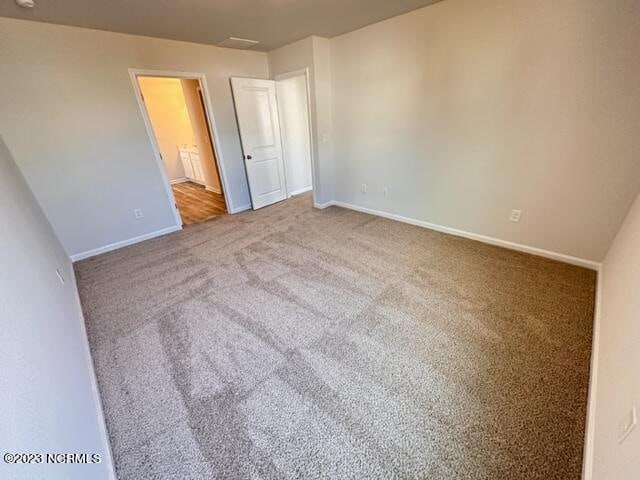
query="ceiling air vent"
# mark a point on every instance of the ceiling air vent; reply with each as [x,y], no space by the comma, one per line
[233,42]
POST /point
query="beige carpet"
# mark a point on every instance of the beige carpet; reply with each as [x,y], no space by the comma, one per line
[298,343]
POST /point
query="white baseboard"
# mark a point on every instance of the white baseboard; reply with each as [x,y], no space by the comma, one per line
[302,190]
[581,262]
[94,385]
[187,179]
[123,243]
[589,433]
[212,189]
[322,206]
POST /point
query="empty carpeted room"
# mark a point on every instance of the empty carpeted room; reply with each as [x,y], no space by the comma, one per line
[337,239]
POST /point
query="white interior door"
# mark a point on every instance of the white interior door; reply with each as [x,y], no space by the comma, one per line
[257,113]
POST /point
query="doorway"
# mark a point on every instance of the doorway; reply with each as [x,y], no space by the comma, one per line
[177,118]
[293,109]
[275,132]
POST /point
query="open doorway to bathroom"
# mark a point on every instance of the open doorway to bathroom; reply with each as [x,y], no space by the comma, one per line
[176,110]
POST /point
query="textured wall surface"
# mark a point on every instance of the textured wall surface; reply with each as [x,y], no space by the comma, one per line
[166,107]
[47,399]
[465,110]
[618,384]
[70,117]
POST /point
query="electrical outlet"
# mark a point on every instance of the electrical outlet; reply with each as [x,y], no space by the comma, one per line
[515,215]
[325,137]
[60,277]
[138,213]
[627,424]
[363,188]
[385,191]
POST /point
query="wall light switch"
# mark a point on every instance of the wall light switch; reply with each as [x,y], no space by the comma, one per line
[627,424]
[515,215]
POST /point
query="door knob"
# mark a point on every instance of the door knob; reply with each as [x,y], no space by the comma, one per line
[248,157]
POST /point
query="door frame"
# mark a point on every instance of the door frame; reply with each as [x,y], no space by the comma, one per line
[272,83]
[134,73]
[297,73]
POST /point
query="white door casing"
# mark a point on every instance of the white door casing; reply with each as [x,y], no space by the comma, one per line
[259,125]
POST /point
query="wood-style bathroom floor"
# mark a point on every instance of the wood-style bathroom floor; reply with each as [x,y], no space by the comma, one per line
[197,204]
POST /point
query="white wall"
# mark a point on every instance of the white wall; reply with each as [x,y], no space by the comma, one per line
[167,111]
[70,117]
[617,387]
[48,401]
[294,125]
[202,140]
[313,53]
[466,110]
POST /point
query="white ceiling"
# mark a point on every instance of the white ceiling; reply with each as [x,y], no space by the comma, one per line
[273,22]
